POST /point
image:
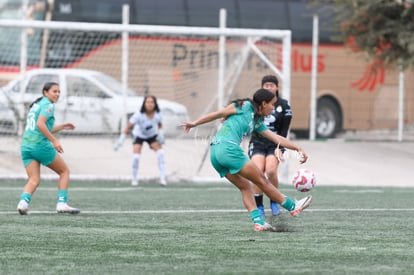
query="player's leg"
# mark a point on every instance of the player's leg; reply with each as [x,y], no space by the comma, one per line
[228,159]
[257,153]
[59,167]
[33,173]
[157,147]
[271,170]
[259,160]
[136,149]
[245,188]
[252,173]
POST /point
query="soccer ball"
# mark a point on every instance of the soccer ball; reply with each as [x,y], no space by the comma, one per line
[304,180]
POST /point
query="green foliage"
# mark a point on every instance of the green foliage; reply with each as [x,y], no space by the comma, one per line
[382,29]
[204,229]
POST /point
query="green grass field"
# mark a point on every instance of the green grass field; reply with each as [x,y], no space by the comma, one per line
[204,229]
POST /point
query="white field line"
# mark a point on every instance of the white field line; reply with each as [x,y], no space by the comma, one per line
[161,188]
[186,211]
[122,189]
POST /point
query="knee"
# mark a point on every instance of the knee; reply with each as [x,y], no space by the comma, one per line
[271,174]
[64,172]
[33,181]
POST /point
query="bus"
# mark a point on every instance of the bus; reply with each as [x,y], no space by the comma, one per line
[350,94]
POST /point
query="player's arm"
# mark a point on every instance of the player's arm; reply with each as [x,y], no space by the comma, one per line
[225,112]
[127,128]
[123,135]
[41,125]
[64,126]
[285,143]
[285,124]
[160,134]
[286,120]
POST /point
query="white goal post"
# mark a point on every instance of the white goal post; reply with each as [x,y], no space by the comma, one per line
[178,64]
[284,35]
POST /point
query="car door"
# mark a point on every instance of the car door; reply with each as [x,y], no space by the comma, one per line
[85,105]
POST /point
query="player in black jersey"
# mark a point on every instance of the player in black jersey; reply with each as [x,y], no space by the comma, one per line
[264,153]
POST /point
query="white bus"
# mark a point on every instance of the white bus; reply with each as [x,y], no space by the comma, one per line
[351,96]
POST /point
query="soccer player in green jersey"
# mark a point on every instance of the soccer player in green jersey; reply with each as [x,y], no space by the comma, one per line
[265,154]
[242,117]
[40,147]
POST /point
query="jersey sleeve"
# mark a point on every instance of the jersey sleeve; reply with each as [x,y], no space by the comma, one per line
[134,118]
[48,110]
[159,118]
[260,126]
[286,119]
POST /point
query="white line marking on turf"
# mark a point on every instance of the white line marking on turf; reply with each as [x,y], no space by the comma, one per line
[103,212]
[120,189]
[359,191]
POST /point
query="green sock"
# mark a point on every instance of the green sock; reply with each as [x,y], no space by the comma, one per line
[288,204]
[62,195]
[26,197]
[256,217]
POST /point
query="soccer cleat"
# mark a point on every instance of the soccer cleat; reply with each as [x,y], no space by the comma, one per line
[301,205]
[163,182]
[65,208]
[134,183]
[275,208]
[23,207]
[263,227]
[261,210]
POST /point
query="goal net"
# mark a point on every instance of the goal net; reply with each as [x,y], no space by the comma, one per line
[191,71]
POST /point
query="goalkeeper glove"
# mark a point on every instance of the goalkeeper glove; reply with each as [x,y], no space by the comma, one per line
[119,142]
[160,137]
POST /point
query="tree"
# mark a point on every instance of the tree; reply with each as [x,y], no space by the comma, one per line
[383,29]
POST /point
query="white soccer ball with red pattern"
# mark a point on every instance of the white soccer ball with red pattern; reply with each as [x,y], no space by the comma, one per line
[304,180]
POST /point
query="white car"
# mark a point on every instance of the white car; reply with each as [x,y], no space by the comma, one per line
[93,101]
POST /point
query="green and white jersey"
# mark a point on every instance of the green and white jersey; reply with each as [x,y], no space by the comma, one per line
[31,134]
[239,125]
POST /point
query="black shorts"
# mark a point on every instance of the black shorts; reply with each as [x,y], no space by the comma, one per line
[140,141]
[258,148]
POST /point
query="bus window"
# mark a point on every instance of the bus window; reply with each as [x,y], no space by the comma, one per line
[107,11]
[206,13]
[160,12]
[262,14]
[301,22]
[11,37]
[67,10]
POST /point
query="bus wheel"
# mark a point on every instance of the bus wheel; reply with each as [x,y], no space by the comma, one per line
[328,118]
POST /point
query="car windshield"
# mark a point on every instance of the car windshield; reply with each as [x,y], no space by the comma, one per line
[114,85]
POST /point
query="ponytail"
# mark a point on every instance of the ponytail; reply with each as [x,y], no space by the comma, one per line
[260,96]
[36,101]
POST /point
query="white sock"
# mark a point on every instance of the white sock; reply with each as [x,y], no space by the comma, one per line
[161,163]
[135,165]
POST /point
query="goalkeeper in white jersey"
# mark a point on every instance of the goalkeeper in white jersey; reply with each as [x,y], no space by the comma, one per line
[146,125]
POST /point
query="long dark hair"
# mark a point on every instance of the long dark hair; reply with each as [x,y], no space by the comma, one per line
[46,88]
[271,78]
[143,110]
[260,96]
